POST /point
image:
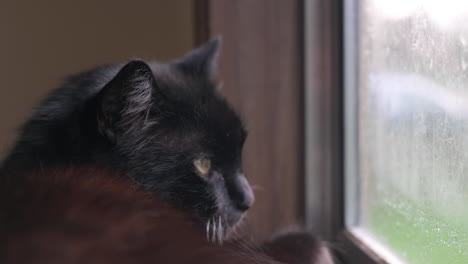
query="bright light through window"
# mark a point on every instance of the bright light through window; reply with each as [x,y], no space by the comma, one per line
[412,114]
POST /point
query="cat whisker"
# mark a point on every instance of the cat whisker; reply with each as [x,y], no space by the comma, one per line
[208,230]
[216,235]
[213,230]
[220,231]
[257,188]
[213,235]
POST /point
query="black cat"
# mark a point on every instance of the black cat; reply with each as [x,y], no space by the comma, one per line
[164,127]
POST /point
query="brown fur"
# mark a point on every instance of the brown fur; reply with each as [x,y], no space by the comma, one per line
[90,216]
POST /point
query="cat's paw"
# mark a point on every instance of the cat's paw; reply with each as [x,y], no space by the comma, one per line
[298,248]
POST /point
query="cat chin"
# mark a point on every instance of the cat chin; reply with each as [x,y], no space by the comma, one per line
[221,228]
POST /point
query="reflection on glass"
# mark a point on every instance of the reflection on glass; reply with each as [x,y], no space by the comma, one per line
[413,128]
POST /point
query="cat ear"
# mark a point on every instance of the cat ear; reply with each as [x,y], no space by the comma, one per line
[124,103]
[202,61]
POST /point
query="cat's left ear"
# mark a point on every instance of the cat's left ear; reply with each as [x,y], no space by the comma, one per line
[124,103]
[202,61]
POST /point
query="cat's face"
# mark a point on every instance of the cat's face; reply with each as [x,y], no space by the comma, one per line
[173,134]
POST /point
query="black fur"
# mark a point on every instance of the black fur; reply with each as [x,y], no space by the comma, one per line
[149,122]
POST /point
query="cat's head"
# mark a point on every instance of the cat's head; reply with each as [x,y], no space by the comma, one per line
[172,133]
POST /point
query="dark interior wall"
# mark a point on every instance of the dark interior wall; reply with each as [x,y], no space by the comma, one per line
[41,42]
[261,70]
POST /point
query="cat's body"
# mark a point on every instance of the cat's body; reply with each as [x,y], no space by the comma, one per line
[87,215]
[163,132]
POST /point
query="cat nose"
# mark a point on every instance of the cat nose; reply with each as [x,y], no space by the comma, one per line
[245,197]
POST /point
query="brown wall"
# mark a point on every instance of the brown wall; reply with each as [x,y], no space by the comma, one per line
[261,70]
[43,41]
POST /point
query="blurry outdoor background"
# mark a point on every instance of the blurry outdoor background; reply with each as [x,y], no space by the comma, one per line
[413,128]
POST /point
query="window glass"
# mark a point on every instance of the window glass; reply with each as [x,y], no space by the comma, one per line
[412,128]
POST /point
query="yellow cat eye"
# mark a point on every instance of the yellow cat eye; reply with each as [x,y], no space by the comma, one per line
[203,165]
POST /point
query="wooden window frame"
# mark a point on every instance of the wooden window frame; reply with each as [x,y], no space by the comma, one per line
[331,89]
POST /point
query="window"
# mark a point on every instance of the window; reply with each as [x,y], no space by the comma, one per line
[397,146]
[407,173]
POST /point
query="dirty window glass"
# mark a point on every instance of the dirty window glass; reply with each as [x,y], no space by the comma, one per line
[412,128]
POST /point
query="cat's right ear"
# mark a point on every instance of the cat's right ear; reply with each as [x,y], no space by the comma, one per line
[124,103]
[202,61]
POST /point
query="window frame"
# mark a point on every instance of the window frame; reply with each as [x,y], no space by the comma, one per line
[331,85]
